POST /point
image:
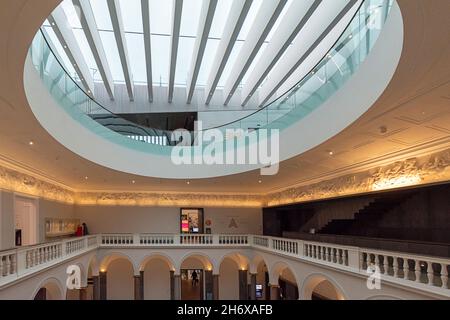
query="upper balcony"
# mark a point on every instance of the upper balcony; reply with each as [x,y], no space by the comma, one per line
[402,275]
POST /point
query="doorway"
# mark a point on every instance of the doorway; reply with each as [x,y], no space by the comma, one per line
[192,284]
[25,221]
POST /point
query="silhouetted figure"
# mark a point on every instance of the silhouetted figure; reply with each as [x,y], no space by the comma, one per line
[194,278]
[85,229]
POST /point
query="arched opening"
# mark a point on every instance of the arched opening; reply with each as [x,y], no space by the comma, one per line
[192,272]
[156,274]
[119,278]
[50,290]
[233,277]
[321,288]
[262,280]
[286,281]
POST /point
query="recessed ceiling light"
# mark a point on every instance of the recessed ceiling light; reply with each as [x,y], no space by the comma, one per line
[86,178]
[133,182]
[188,182]
[31,143]
[260,181]
[330,153]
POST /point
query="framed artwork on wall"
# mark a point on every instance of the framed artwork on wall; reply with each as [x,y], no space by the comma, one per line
[191,220]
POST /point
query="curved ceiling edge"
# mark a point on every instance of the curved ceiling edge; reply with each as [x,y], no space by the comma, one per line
[341,110]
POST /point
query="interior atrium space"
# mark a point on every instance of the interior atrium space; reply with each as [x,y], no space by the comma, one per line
[198,151]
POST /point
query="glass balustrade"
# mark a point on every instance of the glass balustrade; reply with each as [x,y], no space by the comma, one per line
[326,78]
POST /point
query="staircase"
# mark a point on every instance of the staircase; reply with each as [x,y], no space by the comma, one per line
[365,222]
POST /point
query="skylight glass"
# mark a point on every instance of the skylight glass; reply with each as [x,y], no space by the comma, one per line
[161,16]
[101,13]
[190,17]
[131,15]
[161,25]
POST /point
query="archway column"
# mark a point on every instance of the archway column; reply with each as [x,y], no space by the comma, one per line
[243,285]
[103,285]
[95,287]
[215,287]
[253,286]
[274,292]
[177,286]
[83,293]
[139,286]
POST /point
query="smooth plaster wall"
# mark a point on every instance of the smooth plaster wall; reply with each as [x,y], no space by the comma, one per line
[120,281]
[129,219]
[51,209]
[229,280]
[156,280]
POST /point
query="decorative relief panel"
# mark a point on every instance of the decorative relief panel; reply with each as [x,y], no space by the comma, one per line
[169,199]
[415,171]
[23,183]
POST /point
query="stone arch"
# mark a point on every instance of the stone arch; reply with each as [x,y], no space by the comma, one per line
[157,256]
[155,270]
[277,270]
[93,266]
[120,271]
[54,288]
[110,257]
[314,280]
[207,262]
[282,275]
[242,261]
[256,261]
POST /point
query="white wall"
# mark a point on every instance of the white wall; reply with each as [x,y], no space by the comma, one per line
[156,280]
[120,280]
[7,236]
[129,219]
[229,280]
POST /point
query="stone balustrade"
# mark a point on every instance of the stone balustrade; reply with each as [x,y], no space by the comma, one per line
[407,269]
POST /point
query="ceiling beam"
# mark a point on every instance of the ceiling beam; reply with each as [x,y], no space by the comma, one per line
[235,20]
[176,24]
[119,33]
[59,22]
[92,34]
[263,24]
[148,46]
[283,37]
[206,17]
[302,49]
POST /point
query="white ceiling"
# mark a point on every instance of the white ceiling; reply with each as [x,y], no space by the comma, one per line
[415,110]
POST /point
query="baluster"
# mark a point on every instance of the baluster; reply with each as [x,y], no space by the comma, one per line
[395,266]
[41,256]
[368,260]
[418,271]
[377,261]
[346,257]
[386,265]
[405,269]
[341,254]
[430,273]
[1,266]
[8,265]
[444,276]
